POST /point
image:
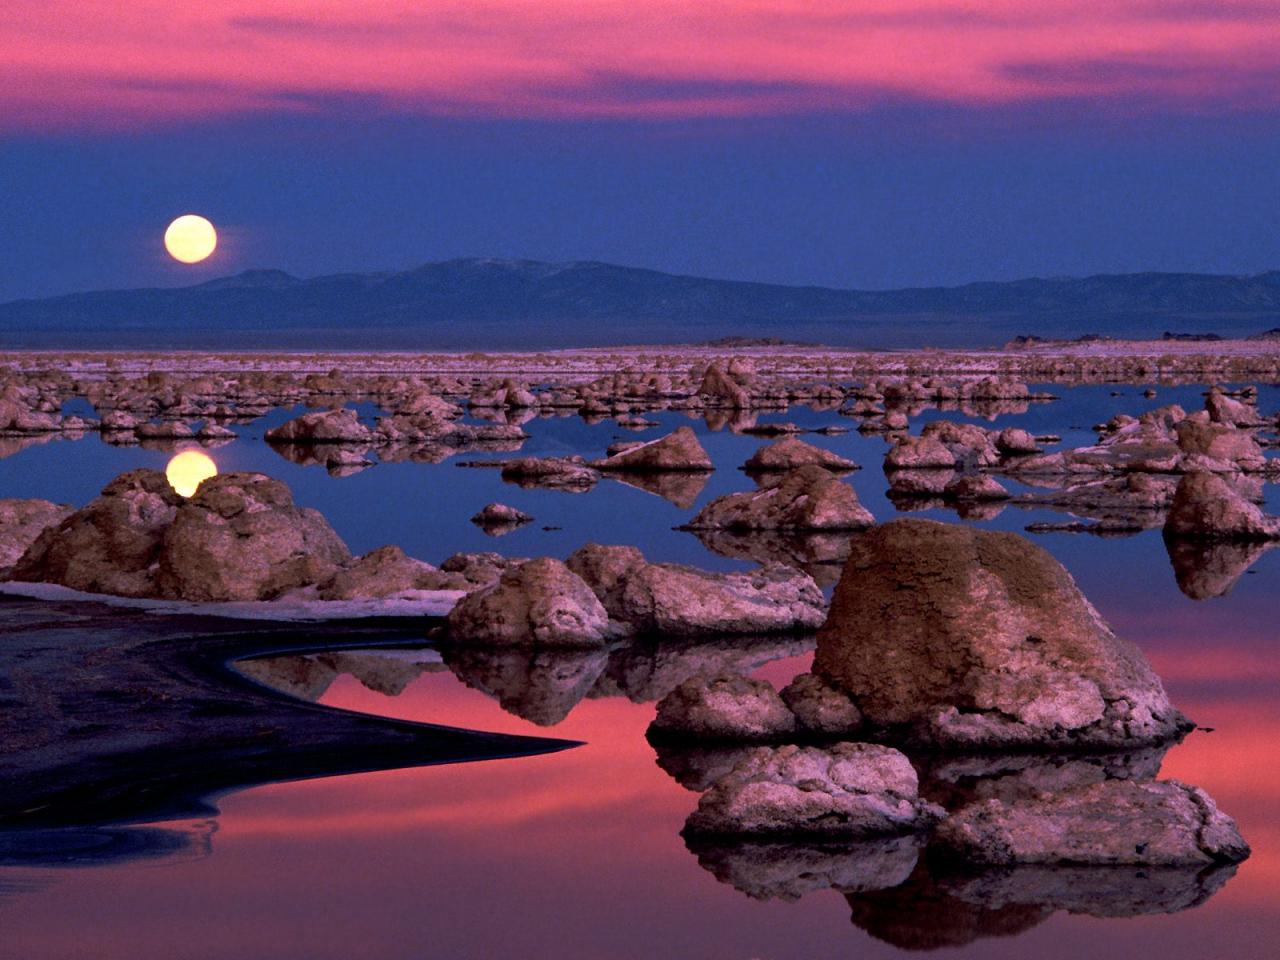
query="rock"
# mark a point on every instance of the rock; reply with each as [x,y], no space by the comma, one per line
[719,389]
[1208,507]
[541,685]
[790,453]
[500,515]
[112,544]
[540,603]
[240,537]
[22,522]
[847,790]
[385,572]
[726,708]
[1159,823]
[973,487]
[678,600]
[556,473]
[678,451]
[118,420]
[809,498]
[1013,441]
[215,431]
[471,570]
[168,430]
[1222,446]
[919,453]
[1223,409]
[325,426]
[960,637]
[821,708]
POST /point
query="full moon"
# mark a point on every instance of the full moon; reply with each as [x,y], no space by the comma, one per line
[188,469]
[190,238]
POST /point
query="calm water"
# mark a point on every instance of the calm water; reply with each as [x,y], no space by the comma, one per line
[578,853]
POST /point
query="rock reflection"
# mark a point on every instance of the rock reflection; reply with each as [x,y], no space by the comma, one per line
[681,489]
[540,686]
[1208,569]
[820,555]
[309,676]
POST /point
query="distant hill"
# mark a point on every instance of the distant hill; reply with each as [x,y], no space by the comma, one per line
[522,303]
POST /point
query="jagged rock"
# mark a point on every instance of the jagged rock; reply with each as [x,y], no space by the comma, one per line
[849,789]
[557,473]
[112,544]
[540,603]
[962,637]
[324,426]
[22,522]
[720,389]
[470,570]
[1208,507]
[1223,409]
[500,515]
[726,708]
[809,498]
[677,600]
[679,451]
[1219,446]
[968,443]
[1160,823]
[385,572]
[821,708]
[790,453]
[240,537]
[919,453]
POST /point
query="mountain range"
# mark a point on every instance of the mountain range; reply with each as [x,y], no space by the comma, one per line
[487,303]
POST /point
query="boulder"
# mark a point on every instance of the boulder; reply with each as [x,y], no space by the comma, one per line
[919,453]
[975,487]
[959,637]
[790,453]
[1208,507]
[809,498]
[677,600]
[1161,823]
[1219,445]
[385,572]
[720,389]
[819,707]
[500,515]
[1015,442]
[540,603]
[111,545]
[324,426]
[726,708]
[240,537]
[847,790]
[676,452]
[22,522]
[1223,409]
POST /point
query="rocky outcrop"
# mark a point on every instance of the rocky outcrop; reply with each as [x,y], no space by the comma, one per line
[678,600]
[540,603]
[1217,447]
[960,637]
[726,708]
[111,545]
[240,537]
[381,573]
[721,390]
[22,521]
[847,790]
[1157,823]
[677,452]
[790,453]
[324,426]
[809,498]
[919,453]
[1208,507]
[821,709]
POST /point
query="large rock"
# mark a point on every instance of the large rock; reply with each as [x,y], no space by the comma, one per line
[848,790]
[325,426]
[678,600]
[726,708]
[111,545]
[790,453]
[1158,823]
[809,498]
[1208,507]
[240,537]
[541,603]
[721,390]
[962,637]
[385,572]
[919,453]
[22,521]
[676,452]
[1218,446]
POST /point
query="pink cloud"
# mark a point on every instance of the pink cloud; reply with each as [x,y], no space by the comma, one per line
[96,63]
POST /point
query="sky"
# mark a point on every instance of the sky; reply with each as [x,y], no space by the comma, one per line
[874,144]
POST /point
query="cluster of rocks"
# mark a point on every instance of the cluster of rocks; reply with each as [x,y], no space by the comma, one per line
[949,641]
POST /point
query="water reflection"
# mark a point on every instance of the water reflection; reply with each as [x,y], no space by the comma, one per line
[1208,569]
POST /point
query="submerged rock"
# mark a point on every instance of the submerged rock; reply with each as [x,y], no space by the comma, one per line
[677,452]
[809,498]
[540,603]
[850,789]
[556,473]
[791,453]
[1208,507]
[964,637]
[1160,823]
[726,708]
